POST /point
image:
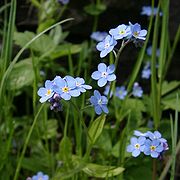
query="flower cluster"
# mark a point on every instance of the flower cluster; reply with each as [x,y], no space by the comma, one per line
[148,143]
[39,176]
[62,88]
[147,10]
[131,32]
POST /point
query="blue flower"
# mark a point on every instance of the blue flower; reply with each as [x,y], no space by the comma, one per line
[149,51]
[106,46]
[104,74]
[147,10]
[136,146]
[66,87]
[120,32]
[121,92]
[156,136]
[80,85]
[99,102]
[137,90]
[153,148]
[136,31]
[40,176]
[106,91]
[138,133]
[146,72]
[98,36]
[47,92]
[64,2]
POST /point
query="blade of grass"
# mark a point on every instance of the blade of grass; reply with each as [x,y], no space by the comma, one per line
[141,55]
[9,69]
[7,53]
[26,143]
[154,91]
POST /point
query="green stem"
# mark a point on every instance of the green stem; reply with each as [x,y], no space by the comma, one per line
[26,143]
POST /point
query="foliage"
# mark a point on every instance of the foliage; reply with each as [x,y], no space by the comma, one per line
[83,129]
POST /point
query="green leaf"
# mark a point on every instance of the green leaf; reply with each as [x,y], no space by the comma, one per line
[51,129]
[100,171]
[43,44]
[44,25]
[136,107]
[22,75]
[104,141]
[65,153]
[65,49]
[167,87]
[170,101]
[95,9]
[96,128]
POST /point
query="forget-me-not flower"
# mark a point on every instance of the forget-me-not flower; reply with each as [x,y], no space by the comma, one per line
[149,51]
[121,92]
[106,46]
[146,72]
[153,148]
[46,92]
[156,135]
[40,176]
[99,102]
[137,90]
[104,74]
[81,86]
[106,90]
[66,87]
[147,10]
[154,144]
[136,146]
[138,133]
[120,32]
[98,36]
[136,31]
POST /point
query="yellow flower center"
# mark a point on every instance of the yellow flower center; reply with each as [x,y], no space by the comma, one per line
[153,148]
[121,32]
[48,92]
[65,89]
[136,33]
[137,146]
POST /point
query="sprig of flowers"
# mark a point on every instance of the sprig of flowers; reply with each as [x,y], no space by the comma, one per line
[148,143]
[131,32]
[61,88]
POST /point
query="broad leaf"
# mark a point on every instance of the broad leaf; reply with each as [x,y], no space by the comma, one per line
[22,75]
[96,128]
[100,171]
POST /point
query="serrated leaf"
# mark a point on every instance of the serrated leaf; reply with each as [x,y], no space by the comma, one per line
[100,171]
[96,128]
[167,87]
[170,101]
[22,75]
